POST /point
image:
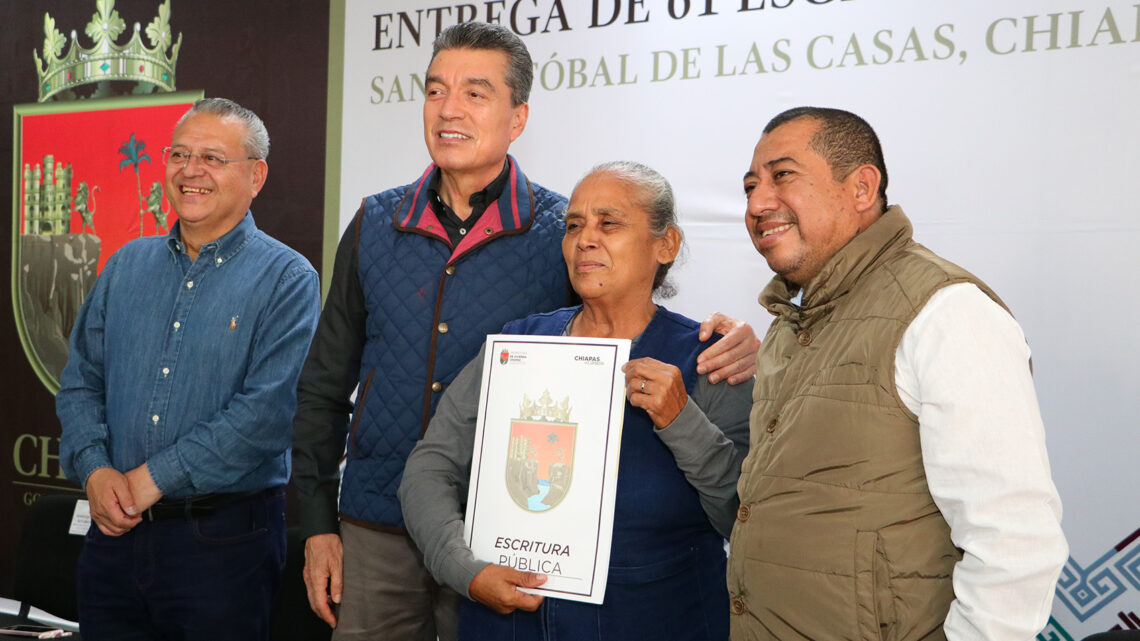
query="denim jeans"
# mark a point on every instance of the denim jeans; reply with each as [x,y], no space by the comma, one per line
[212,577]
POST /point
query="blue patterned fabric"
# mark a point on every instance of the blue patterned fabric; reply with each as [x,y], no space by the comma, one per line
[430,307]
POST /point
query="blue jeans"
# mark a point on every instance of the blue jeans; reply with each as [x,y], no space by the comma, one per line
[211,577]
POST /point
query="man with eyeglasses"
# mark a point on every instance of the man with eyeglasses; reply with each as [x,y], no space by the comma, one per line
[177,401]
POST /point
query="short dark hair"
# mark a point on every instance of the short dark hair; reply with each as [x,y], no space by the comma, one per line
[845,141]
[492,37]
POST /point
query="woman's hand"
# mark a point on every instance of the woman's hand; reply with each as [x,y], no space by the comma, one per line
[656,387]
[496,586]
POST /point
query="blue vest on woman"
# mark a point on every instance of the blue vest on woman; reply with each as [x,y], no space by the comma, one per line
[667,563]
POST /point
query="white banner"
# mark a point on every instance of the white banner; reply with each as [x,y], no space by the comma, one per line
[1009,131]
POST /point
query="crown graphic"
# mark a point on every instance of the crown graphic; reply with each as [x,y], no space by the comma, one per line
[108,61]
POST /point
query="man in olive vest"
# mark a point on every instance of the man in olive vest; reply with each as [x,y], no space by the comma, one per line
[898,485]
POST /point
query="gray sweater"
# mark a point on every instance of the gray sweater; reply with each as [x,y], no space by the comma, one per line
[709,440]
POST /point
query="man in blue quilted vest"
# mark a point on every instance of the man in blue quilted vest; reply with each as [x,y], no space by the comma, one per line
[423,273]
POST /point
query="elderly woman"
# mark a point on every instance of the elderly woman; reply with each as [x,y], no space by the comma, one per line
[683,440]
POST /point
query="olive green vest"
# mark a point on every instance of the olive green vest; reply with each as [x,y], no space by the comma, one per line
[837,535]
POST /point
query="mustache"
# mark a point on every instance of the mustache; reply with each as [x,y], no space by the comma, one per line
[780,217]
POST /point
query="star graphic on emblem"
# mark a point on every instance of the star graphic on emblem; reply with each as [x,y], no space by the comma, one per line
[552,438]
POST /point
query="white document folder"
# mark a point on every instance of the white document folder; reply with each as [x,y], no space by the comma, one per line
[544,470]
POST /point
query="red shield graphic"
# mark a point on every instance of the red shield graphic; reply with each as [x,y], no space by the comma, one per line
[503,357]
[540,463]
[89,179]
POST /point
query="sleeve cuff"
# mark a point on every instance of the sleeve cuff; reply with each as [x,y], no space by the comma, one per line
[461,568]
[167,472]
[92,458]
[455,565]
[682,429]
[318,514]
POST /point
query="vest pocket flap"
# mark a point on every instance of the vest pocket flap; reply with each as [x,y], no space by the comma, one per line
[873,610]
[846,374]
[856,383]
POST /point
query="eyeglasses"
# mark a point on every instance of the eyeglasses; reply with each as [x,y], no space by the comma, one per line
[181,157]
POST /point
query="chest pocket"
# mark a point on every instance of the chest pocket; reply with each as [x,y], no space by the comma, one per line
[851,382]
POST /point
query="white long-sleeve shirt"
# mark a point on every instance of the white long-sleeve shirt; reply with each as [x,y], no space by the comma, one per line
[962,368]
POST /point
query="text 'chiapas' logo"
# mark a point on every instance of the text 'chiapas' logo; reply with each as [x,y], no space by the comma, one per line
[540,460]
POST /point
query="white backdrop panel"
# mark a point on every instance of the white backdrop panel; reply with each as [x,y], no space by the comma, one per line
[1009,130]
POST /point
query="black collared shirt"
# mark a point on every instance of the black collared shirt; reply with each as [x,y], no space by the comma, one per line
[455,226]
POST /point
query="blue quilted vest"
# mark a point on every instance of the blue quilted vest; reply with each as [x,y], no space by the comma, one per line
[667,563]
[430,306]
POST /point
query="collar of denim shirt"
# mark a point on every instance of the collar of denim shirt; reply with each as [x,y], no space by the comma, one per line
[220,250]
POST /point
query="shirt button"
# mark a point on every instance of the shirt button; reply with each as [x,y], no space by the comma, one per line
[738,606]
[442,327]
[190,284]
[449,270]
[771,426]
[804,338]
[437,386]
[154,418]
[743,513]
[177,324]
[462,231]
[166,371]
[218,261]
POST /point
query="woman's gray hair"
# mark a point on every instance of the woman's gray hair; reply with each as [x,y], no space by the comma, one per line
[655,195]
[256,141]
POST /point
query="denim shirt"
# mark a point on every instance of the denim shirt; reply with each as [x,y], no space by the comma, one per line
[190,366]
